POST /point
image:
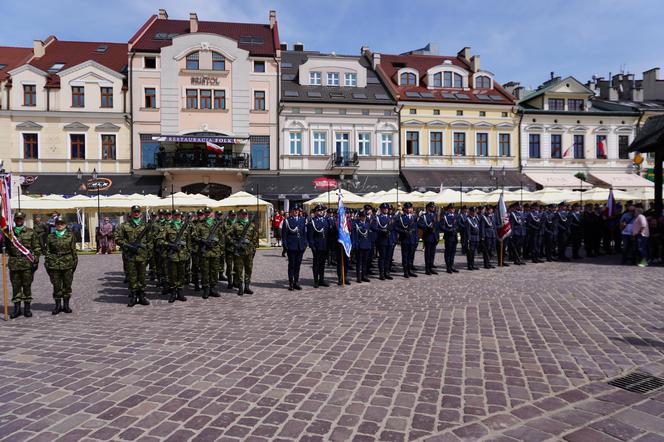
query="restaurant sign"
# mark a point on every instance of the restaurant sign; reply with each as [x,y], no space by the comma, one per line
[204,80]
[98,184]
[186,139]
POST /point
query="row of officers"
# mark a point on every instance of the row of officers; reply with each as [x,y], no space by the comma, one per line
[207,247]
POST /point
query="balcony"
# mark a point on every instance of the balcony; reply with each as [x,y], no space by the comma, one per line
[184,159]
[345,160]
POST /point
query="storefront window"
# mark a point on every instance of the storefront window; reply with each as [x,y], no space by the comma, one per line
[149,149]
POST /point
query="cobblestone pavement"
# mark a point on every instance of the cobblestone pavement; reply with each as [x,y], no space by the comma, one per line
[520,353]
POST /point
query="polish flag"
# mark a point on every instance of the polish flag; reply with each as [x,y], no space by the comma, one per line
[504,226]
[214,147]
[567,151]
[600,146]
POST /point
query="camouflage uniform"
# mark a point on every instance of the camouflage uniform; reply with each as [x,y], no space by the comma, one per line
[209,249]
[221,264]
[136,256]
[21,270]
[161,263]
[244,238]
[194,273]
[229,253]
[41,229]
[178,257]
[61,261]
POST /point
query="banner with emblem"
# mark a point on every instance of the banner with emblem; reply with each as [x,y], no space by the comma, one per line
[504,226]
[343,228]
[6,220]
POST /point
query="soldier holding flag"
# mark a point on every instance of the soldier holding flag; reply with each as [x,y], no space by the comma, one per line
[22,267]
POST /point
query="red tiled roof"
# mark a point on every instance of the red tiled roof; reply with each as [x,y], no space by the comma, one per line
[73,53]
[148,43]
[422,63]
[12,57]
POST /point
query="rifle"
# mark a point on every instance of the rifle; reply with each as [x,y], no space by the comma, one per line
[133,247]
[206,242]
[241,243]
[176,245]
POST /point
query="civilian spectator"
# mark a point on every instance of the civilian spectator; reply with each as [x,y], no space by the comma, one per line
[641,232]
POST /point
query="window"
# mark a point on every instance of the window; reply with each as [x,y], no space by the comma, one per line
[295,110]
[436,111]
[56,67]
[320,143]
[575,105]
[503,114]
[412,143]
[504,145]
[459,113]
[350,79]
[386,144]
[260,152]
[206,99]
[482,142]
[333,78]
[259,100]
[77,143]
[556,104]
[108,147]
[556,146]
[314,78]
[451,79]
[534,146]
[342,111]
[295,143]
[579,146]
[318,110]
[459,143]
[218,62]
[387,113]
[482,114]
[412,111]
[149,149]
[482,82]
[107,97]
[623,144]
[259,66]
[435,143]
[77,96]
[192,99]
[365,112]
[342,145]
[29,95]
[220,99]
[438,80]
[364,143]
[150,62]
[150,98]
[30,146]
[407,79]
[192,61]
[601,146]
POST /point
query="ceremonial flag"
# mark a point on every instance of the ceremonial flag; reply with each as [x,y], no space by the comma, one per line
[567,151]
[6,220]
[504,226]
[611,203]
[214,147]
[343,228]
[600,147]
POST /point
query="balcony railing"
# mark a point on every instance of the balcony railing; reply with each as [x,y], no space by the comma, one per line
[190,159]
[345,160]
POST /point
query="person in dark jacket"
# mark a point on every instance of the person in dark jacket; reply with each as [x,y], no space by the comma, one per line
[473,237]
[406,225]
[383,226]
[361,238]
[318,234]
[488,236]
[449,225]
[428,224]
[293,235]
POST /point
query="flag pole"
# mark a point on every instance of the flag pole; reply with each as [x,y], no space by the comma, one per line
[4,280]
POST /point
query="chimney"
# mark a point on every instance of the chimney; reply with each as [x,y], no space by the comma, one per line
[38,48]
[193,22]
[364,49]
[475,63]
[552,75]
[283,45]
[273,18]
[299,46]
[163,15]
[464,53]
[376,59]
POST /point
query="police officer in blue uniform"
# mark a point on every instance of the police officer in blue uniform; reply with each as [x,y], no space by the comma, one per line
[550,232]
[383,227]
[449,226]
[576,230]
[294,237]
[563,231]
[361,238]
[473,237]
[488,236]
[518,234]
[463,230]
[318,233]
[406,225]
[342,260]
[428,224]
[534,230]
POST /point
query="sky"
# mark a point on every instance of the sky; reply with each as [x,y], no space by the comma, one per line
[517,40]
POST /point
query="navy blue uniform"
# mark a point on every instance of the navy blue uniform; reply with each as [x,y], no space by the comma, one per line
[550,234]
[563,234]
[430,237]
[534,231]
[383,230]
[406,226]
[518,236]
[340,255]
[488,238]
[473,238]
[361,238]
[576,232]
[463,231]
[318,234]
[293,234]
[449,225]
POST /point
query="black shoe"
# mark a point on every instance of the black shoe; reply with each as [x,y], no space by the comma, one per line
[321,283]
[17,311]
[230,285]
[290,285]
[213,293]
[347,282]
[412,274]
[222,277]
[240,290]
[206,292]
[388,277]
[358,280]
[296,286]
[179,295]
[315,284]
[141,298]
[27,312]
[454,270]
[65,306]
[132,299]
[197,288]
[365,279]
[505,264]
[427,272]
[173,297]
[381,277]
[432,271]
[406,275]
[491,266]
[339,282]
[449,271]
[58,307]
[247,290]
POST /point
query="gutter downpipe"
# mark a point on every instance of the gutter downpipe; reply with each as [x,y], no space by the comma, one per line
[131,113]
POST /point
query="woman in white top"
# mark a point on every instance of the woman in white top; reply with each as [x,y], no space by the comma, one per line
[641,232]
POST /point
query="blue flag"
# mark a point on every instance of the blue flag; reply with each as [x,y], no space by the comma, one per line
[344,230]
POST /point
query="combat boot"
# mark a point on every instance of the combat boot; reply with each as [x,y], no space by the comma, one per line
[388,276]
[197,288]
[432,271]
[240,290]
[381,276]
[141,298]
[222,277]
[17,310]
[296,285]
[315,281]
[65,306]
[213,292]
[27,312]
[322,283]
[206,292]
[247,290]
[173,297]
[290,284]
[230,283]
[180,296]
[58,307]
[132,299]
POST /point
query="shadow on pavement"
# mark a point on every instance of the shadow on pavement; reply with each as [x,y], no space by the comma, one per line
[640,342]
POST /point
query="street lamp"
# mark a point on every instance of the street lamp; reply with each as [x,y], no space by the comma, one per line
[492,174]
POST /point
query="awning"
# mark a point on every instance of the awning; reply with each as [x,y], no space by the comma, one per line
[558,180]
[68,184]
[301,187]
[419,179]
[621,180]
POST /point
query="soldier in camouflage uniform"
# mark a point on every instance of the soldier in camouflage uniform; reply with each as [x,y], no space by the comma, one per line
[244,237]
[41,229]
[197,219]
[159,243]
[177,252]
[222,245]
[21,270]
[206,236]
[61,261]
[229,253]
[135,239]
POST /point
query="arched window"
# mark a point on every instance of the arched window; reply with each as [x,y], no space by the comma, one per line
[482,82]
[438,80]
[407,79]
[450,79]
[218,62]
[192,61]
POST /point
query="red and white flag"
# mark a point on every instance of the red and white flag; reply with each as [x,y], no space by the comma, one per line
[600,148]
[214,147]
[611,203]
[6,220]
[504,226]
[567,151]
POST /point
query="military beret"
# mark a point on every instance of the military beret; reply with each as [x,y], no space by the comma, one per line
[362,213]
[464,207]
[329,210]
[368,207]
[472,209]
[243,211]
[135,208]
[19,215]
[562,204]
[407,205]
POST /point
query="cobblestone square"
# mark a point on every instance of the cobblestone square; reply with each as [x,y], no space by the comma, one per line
[518,353]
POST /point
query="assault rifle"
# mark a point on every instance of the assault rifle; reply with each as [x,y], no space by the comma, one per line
[240,244]
[177,245]
[205,243]
[137,244]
